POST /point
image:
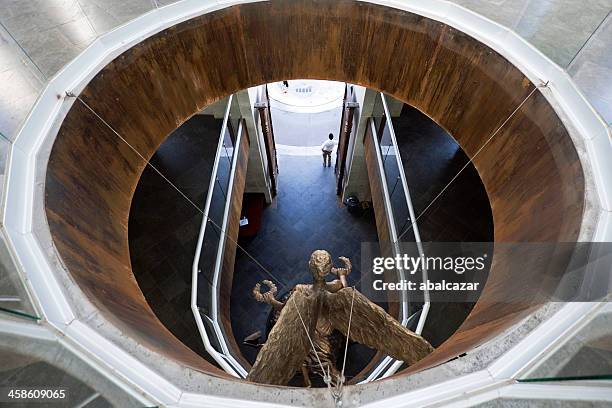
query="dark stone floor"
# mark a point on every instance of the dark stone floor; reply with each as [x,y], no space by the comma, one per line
[305,216]
[431,158]
[164,227]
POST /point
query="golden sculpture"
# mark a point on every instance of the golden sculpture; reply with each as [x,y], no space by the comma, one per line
[318,309]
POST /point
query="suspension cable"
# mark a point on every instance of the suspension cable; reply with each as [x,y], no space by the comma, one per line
[337,394]
[147,162]
[341,380]
[326,374]
[412,224]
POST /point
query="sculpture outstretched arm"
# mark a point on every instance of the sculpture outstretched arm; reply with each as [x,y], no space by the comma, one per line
[372,326]
[342,273]
[269,297]
[287,345]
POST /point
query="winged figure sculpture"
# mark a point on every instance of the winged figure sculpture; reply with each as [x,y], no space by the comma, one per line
[318,309]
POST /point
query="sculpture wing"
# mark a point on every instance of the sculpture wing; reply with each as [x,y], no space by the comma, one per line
[287,345]
[372,326]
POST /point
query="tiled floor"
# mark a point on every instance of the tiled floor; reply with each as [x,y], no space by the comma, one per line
[305,216]
[164,227]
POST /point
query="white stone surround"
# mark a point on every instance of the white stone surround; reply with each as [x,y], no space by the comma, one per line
[485,373]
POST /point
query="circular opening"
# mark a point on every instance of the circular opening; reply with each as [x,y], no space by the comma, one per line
[274,239]
[530,168]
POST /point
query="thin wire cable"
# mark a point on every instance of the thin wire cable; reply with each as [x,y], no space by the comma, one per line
[175,187]
[328,382]
[471,159]
[394,186]
[3,136]
[327,374]
[312,344]
[409,227]
[348,332]
[569,64]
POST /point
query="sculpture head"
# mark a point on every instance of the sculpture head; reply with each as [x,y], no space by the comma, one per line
[320,264]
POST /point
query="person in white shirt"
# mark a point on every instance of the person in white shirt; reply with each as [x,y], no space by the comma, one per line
[327,148]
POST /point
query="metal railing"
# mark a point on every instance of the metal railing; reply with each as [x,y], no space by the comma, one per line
[398,206]
[209,253]
[410,222]
[207,264]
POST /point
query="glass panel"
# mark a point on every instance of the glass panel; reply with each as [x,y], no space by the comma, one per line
[69,27]
[234,118]
[210,247]
[206,264]
[14,299]
[210,330]
[378,113]
[558,28]
[28,371]
[351,145]
[225,160]
[214,225]
[576,35]
[585,356]
[385,138]
[391,166]
[397,194]
[591,68]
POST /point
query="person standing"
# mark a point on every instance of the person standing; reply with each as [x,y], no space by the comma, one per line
[327,148]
